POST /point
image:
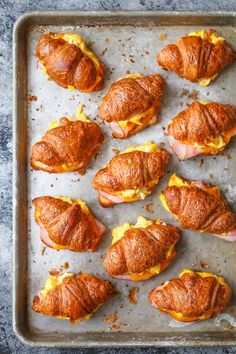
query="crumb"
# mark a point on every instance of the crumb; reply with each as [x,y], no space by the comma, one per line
[51,185]
[43,250]
[127,72]
[194,95]
[132,60]
[90,43]
[183,92]
[32,98]
[115,151]
[129,39]
[226,169]
[147,52]
[65,265]
[211,175]
[207,93]
[54,272]
[133,295]
[226,154]
[201,162]
[104,51]
[107,40]
[204,264]
[149,208]
[181,104]
[116,327]
[187,104]
[163,36]
[111,318]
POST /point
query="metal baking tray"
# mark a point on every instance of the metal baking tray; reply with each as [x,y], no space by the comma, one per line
[126,42]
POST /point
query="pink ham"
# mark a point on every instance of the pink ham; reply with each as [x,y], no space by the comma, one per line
[101,228]
[45,238]
[113,198]
[115,127]
[123,277]
[199,184]
[184,151]
[230,237]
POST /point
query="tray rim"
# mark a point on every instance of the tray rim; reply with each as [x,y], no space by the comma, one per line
[27,338]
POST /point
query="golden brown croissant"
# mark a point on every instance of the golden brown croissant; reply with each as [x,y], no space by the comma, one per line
[193,296]
[68,62]
[71,297]
[131,104]
[202,129]
[199,206]
[68,146]
[131,175]
[65,223]
[141,251]
[198,57]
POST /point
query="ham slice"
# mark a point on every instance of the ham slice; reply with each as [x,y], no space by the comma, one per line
[115,127]
[123,277]
[199,184]
[230,237]
[113,198]
[101,228]
[184,151]
[45,238]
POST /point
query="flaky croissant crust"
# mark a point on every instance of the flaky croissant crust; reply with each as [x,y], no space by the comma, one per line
[68,65]
[196,209]
[69,146]
[131,170]
[131,96]
[67,224]
[75,297]
[192,297]
[195,58]
[202,123]
[142,248]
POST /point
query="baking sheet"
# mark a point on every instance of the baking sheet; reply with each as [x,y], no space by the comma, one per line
[123,49]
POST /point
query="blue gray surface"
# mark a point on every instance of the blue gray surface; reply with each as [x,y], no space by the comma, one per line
[9,12]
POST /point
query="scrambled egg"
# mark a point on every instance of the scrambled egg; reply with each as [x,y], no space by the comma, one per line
[142,222]
[213,39]
[79,116]
[148,147]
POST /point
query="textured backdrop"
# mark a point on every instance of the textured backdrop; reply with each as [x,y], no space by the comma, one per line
[9,12]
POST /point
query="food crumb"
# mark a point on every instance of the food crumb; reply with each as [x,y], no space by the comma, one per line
[133,295]
[54,272]
[149,208]
[132,60]
[104,51]
[115,151]
[226,154]
[163,36]
[204,264]
[201,162]
[111,318]
[43,250]
[64,266]
[183,92]
[211,175]
[147,52]
[194,95]
[32,98]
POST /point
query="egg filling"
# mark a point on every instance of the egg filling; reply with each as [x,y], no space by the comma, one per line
[119,232]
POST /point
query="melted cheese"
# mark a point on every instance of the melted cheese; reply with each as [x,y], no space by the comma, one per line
[213,38]
[83,205]
[136,119]
[148,147]
[142,222]
[204,275]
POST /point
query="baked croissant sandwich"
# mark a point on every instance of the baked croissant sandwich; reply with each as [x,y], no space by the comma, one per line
[131,175]
[192,297]
[200,207]
[72,297]
[197,57]
[202,129]
[67,146]
[67,224]
[67,61]
[141,251]
[131,104]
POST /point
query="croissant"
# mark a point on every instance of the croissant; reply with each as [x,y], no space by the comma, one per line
[68,62]
[131,104]
[131,175]
[67,146]
[200,207]
[193,296]
[67,224]
[71,297]
[197,57]
[141,251]
[202,129]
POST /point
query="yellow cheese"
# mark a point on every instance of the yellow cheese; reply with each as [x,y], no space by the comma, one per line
[79,116]
[204,275]
[51,283]
[148,147]
[213,39]
[136,119]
